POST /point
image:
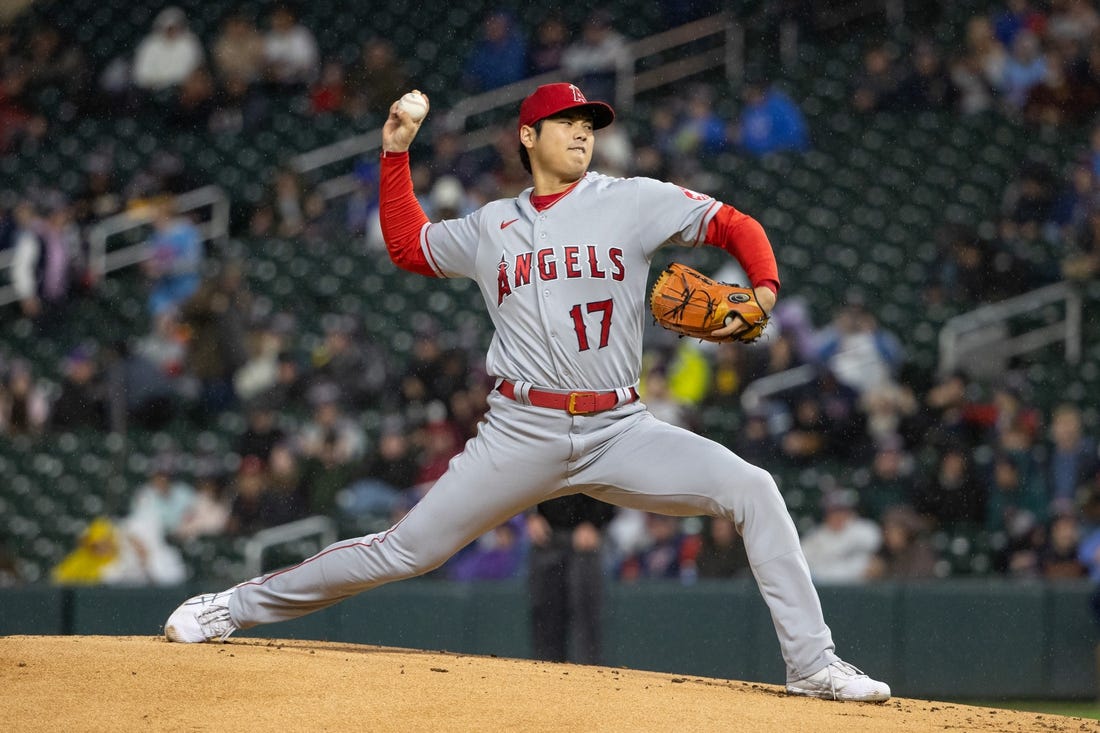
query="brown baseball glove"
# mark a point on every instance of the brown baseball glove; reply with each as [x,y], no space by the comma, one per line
[691,304]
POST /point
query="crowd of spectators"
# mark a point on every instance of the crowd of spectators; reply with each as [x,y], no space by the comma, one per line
[333,426]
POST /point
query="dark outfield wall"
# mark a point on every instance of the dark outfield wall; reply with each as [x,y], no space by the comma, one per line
[954,639]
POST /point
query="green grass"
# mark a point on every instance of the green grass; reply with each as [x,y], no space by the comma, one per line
[1072,708]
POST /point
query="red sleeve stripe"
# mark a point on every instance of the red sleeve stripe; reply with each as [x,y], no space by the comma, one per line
[426,246]
[698,238]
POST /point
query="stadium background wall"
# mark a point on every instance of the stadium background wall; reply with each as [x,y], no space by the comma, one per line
[959,639]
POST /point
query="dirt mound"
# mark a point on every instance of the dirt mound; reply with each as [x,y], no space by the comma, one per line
[127,683]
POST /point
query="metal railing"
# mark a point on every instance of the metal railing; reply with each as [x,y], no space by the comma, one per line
[323,528]
[629,83]
[103,261]
[984,332]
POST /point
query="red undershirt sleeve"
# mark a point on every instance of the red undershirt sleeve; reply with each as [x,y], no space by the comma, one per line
[744,238]
[401,217]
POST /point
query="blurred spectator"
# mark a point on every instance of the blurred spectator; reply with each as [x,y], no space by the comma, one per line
[290,50]
[265,342]
[890,481]
[330,428]
[550,41]
[906,553]
[659,401]
[99,195]
[890,410]
[141,393]
[168,54]
[327,470]
[354,364]
[208,515]
[439,441]
[47,259]
[926,84]
[700,132]
[194,102]
[393,462]
[55,62]
[496,555]
[1026,68]
[1070,456]
[721,550]
[327,94]
[20,123]
[164,497]
[876,86]
[238,50]
[240,107]
[951,494]
[262,432]
[770,121]
[254,507]
[862,354]
[975,92]
[291,387]
[165,346]
[97,548]
[1016,496]
[807,438]
[285,481]
[668,552]
[593,61]
[566,578]
[217,315]
[987,57]
[1016,17]
[175,259]
[841,548]
[376,81]
[499,57]
[82,402]
[754,441]
[1058,99]
[24,403]
[1071,24]
[130,552]
[1058,556]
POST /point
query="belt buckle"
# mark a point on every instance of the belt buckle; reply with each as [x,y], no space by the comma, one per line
[587,403]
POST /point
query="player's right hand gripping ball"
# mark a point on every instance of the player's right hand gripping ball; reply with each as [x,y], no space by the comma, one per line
[688,302]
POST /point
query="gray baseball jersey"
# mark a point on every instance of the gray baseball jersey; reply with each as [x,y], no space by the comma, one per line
[566,290]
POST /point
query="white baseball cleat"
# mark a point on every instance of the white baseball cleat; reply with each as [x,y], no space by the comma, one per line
[840,681]
[201,618]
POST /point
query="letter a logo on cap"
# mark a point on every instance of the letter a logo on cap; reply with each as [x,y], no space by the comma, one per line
[577,95]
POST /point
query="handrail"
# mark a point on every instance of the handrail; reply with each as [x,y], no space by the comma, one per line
[102,262]
[628,85]
[756,391]
[997,314]
[257,544]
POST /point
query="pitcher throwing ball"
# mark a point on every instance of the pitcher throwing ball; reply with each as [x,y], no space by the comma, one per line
[563,270]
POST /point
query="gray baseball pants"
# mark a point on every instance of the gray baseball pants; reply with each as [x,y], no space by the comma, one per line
[523,455]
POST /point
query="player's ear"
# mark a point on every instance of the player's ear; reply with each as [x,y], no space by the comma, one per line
[527,136]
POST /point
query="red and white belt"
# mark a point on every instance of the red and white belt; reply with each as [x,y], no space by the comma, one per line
[581,402]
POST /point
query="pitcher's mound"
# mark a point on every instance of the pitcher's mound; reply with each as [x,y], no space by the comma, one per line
[127,683]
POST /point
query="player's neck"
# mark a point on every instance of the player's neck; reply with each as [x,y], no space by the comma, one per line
[549,185]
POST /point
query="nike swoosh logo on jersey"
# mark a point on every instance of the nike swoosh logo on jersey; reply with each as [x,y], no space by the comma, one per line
[506,224]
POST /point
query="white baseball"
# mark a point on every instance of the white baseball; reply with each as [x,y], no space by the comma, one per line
[415,105]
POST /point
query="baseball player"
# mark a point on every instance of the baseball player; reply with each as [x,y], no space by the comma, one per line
[563,269]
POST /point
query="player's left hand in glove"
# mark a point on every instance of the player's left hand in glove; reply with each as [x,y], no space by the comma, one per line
[689,303]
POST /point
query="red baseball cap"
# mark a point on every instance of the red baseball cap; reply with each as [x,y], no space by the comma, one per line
[549,99]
